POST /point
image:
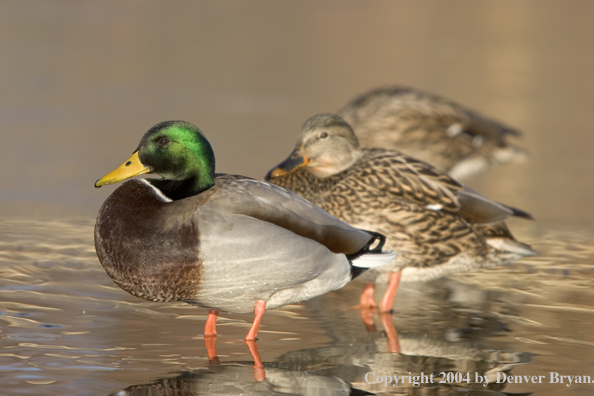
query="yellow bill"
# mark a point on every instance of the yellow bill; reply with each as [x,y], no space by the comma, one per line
[132,167]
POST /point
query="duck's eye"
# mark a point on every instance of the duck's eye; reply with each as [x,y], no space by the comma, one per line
[163,141]
[323,135]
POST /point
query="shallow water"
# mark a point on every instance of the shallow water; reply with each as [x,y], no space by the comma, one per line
[81,81]
[67,329]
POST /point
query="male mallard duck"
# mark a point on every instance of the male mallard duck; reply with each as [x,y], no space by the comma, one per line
[431,128]
[437,225]
[222,242]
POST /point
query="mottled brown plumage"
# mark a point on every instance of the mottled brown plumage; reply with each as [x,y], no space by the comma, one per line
[437,225]
[432,128]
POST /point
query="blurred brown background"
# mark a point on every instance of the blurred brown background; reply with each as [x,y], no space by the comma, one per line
[81,81]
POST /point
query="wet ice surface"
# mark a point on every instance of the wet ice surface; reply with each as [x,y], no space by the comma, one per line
[82,81]
[67,329]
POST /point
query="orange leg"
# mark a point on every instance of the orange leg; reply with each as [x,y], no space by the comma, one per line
[259,373]
[367,318]
[388,300]
[367,306]
[258,313]
[210,335]
[211,348]
[393,344]
[210,329]
[366,301]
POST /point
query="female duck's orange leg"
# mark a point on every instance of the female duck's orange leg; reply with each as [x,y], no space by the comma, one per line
[393,344]
[367,306]
[258,313]
[366,301]
[388,300]
[367,318]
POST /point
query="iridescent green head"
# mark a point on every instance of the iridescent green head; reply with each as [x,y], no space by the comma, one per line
[176,150]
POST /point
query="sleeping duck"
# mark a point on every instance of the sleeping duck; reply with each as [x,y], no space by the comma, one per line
[431,128]
[223,242]
[437,225]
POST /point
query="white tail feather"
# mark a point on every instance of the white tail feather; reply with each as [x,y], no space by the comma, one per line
[371,260]
[507,245]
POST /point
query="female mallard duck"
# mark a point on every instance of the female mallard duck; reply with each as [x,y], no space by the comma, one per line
[437,225]
[222,242]
[431,128]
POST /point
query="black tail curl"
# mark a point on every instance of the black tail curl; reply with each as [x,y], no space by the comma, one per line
[380,238]
[367,249]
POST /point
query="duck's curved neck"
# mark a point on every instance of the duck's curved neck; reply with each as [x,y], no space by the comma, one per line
[179,189]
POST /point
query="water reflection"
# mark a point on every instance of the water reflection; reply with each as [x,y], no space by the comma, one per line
[67,329]
[423,362]
[426,365]
[83,77]
[237,378]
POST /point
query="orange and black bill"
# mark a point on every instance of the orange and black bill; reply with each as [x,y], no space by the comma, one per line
[295,161]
